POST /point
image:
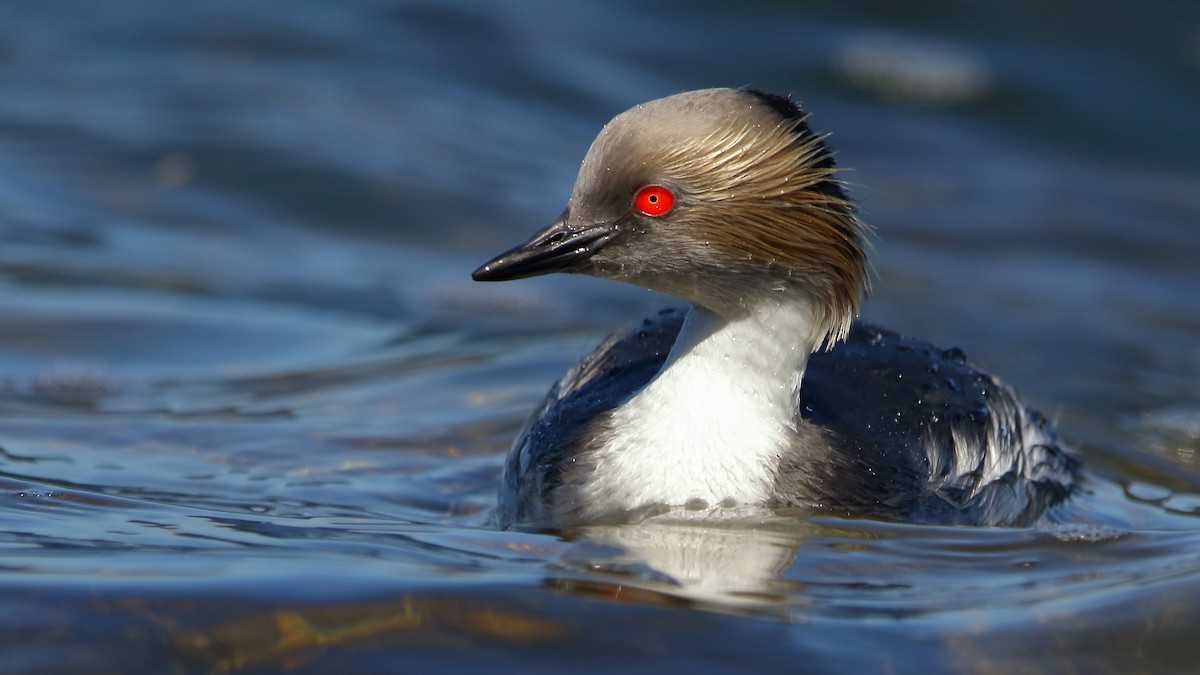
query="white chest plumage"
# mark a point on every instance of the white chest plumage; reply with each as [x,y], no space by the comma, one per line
[713,423]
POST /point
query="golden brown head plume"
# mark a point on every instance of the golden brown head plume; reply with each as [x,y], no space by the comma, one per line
[758,212]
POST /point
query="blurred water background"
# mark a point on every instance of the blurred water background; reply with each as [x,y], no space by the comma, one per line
[252,409]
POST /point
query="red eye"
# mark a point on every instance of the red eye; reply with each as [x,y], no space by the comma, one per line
[653,200]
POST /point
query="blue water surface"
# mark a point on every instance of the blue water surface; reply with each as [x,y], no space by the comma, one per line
[253,410]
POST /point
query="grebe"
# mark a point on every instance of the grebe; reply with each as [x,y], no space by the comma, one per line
[766,392]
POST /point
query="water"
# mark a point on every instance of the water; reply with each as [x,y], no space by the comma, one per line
[252,410]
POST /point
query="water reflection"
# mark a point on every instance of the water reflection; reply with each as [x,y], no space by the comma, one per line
[794,563]
[730,560]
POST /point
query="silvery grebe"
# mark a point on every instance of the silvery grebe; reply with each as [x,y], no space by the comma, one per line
[765,392]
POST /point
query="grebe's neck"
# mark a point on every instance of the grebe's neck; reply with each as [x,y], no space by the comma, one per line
[759,355]
[712,424]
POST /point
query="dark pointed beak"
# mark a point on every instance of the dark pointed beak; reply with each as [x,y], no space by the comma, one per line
[558,248]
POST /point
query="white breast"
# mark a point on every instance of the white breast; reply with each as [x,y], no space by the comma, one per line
[713,423]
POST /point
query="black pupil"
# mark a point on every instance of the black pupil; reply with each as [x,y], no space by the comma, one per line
[653,199]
